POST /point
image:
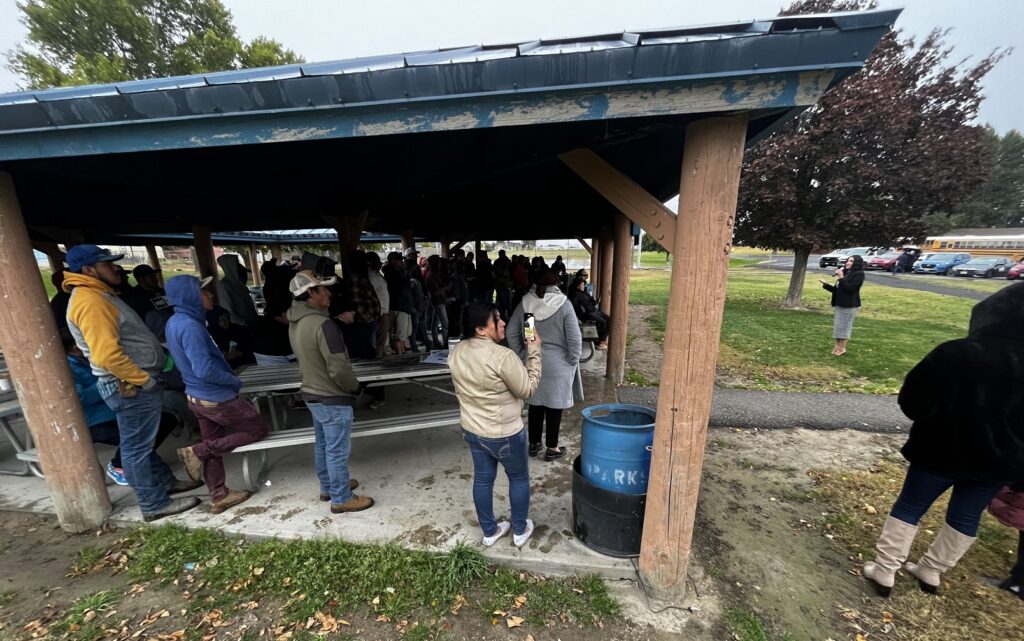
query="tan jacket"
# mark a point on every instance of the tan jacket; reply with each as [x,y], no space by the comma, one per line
[491,383]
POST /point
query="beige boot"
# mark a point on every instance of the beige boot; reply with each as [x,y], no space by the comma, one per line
[892,549]
[942,555]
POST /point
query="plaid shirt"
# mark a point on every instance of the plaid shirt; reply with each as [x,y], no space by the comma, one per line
[364,300]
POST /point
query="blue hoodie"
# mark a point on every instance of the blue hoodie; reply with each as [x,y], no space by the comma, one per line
[86,384]
[207,375]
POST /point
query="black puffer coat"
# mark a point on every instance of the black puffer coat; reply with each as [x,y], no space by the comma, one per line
[966,397]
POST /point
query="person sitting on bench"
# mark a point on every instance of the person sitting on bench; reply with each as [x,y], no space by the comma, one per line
[587,311]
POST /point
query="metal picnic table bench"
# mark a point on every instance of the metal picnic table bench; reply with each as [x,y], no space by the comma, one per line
[276,379]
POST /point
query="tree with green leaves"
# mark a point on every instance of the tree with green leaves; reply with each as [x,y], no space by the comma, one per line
[999,202]
[881,152]
[75,42]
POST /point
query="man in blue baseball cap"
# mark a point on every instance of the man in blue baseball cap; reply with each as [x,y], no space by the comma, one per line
[127,359]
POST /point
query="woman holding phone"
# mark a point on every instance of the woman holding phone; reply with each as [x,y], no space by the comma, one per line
[491,383]
[845,300]
[561,386]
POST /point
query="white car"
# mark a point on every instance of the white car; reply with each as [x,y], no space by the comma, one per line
[839,256]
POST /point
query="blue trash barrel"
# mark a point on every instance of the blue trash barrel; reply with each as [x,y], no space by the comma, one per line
[615,450]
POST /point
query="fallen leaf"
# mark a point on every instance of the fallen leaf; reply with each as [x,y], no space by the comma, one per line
[870,509]
[887,617]
[376,600]
[514,622]
[500,613]
[89,615]
[257,571]
[861,637]
[383,618]
[157,569]
[520,601]
[459,602]
[529,637]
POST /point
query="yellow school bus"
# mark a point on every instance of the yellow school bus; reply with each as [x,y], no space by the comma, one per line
[1011,245]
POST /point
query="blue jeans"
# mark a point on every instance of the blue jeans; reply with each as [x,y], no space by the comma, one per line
[440,318]
[511,453]
[969,500]
[332,426]
[138,421]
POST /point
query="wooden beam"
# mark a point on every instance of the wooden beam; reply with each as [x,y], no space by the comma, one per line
[204,251]
[39,369]
[586,245]
[615,366]
[254,261]
[408,239]
[707,205]
[595,265]
[628,197]
[154,262]
[607,256]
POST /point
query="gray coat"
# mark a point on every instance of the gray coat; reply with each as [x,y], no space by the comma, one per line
[561,343]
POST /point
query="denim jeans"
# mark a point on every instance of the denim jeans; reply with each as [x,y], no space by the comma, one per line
[966,505]
[511,453]
[138,421]
[214,420]
[332,426]
[440,318]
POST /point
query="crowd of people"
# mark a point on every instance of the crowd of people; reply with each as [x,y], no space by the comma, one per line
[148,360]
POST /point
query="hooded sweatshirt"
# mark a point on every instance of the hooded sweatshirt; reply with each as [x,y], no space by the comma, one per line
[966,397]
[327,375]
[110,334]
[232,294]
[206,374]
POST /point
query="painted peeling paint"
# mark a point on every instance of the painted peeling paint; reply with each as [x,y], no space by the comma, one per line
[764,91]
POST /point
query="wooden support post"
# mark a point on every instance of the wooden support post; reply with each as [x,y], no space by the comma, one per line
[615,366]
[607,256]
[350,230]
[408,240]
[207,264]
[445,247]
[254,262]
[39,369]
[477,246]
[595,264]
[707,205]
[276,253]
[154,262]
[586,245]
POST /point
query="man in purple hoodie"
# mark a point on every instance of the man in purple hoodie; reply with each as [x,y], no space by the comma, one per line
[211,388]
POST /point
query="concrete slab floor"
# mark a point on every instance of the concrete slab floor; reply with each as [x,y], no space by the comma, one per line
[421,482]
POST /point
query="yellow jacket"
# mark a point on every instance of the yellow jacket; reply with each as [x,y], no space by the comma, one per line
[110,334]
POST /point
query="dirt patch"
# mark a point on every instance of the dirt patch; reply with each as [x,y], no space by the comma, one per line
[762,537]
[643,352]
[290,513]
[426,482]
[239,515]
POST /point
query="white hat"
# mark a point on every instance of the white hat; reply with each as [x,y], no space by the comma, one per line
[409,252]
[307,279]
[204,282]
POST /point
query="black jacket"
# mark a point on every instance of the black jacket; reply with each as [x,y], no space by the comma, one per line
[966,397]
[583,303]
[846,291]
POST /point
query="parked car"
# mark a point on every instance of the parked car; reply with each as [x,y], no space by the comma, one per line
[940,263]
[984,267]
[886,261]
[839,256]
[1017,271]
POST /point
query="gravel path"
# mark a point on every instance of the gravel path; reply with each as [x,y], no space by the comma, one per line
[781,410]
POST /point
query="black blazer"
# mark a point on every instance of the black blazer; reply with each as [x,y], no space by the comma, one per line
[846,291]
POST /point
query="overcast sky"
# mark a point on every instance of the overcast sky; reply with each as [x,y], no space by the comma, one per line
[334,29]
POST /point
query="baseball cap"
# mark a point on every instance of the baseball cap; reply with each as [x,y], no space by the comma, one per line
[81,256]
[306,279]
[409,251]
[394,256]
[142,270]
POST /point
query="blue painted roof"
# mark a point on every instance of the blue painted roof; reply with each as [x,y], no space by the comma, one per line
[542,65]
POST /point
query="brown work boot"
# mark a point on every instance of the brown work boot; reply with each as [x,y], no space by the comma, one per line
[193,466]
[231,499]
[355,504]
[352,484]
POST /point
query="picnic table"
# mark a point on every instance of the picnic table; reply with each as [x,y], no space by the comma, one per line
[9,408]
[270,380]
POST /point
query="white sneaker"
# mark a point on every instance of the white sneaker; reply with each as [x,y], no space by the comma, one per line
[503,528]
[521,539]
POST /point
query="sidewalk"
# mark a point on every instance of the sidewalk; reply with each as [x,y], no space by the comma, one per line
[781,410]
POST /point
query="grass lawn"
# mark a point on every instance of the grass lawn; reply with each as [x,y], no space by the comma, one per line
[766,347]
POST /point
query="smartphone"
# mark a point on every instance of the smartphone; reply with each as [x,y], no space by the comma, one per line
[529,328]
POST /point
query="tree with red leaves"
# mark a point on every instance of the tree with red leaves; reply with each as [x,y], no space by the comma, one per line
[892,144]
